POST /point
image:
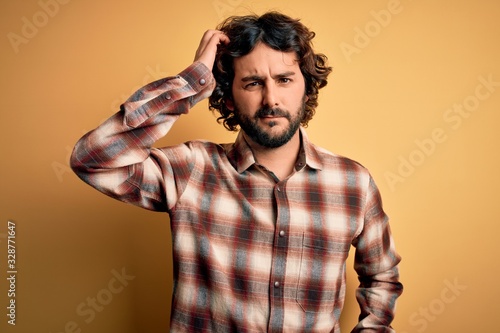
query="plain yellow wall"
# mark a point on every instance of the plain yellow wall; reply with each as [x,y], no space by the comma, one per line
[414,96]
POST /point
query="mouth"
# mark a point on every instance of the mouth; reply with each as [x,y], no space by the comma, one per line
[270,116]
[270,120]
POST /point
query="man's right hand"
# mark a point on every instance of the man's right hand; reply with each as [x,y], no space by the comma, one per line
[208,47]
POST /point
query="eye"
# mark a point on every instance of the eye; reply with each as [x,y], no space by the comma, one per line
[285,80]
[253,85]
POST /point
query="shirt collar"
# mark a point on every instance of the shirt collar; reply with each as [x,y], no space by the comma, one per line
[241,156]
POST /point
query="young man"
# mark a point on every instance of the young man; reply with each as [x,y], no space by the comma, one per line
[261,227]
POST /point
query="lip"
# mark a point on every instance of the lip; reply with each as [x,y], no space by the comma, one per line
[271,117]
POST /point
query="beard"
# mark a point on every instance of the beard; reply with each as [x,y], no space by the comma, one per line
[258,133]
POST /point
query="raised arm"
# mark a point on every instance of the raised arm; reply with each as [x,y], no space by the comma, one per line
[117,157]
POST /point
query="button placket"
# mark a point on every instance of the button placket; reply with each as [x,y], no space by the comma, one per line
[279,252]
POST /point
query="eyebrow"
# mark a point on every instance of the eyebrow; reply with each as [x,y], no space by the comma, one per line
[259,78]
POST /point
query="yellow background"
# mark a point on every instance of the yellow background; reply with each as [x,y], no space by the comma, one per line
[396,81]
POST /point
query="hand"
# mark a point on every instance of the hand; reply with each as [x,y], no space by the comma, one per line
[208,47]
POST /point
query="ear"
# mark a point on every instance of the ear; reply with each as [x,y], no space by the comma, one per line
[229,104]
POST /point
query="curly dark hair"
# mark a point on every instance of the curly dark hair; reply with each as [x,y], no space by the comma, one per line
[281,33]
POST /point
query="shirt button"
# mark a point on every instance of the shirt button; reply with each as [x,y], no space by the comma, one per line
[202,81]
[276,284]
[282,233]
[279,189]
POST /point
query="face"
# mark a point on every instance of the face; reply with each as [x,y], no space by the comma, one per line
[268,95]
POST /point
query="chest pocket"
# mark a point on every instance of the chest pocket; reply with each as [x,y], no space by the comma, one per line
[322,272]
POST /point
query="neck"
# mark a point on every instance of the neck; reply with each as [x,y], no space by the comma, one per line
[280,160]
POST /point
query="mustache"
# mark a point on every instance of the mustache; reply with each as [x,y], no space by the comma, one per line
[267,111]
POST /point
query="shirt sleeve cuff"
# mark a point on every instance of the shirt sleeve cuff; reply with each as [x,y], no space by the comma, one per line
[200,79]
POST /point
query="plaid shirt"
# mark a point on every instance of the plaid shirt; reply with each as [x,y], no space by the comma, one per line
[252,253]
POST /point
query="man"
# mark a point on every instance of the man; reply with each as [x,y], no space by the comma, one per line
[261,227]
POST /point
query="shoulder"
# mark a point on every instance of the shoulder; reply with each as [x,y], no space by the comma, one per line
[332,160]
[343,171]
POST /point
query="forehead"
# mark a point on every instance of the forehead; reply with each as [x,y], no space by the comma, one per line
[265,60]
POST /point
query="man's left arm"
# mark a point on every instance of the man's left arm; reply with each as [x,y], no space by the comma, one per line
[376,263]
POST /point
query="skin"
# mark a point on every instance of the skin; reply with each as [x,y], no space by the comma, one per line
[264,78]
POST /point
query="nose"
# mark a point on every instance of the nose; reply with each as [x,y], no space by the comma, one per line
[269,96]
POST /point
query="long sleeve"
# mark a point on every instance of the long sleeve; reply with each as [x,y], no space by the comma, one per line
[376,263]
[117,157]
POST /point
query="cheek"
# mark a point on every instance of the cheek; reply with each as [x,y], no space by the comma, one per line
[299,97]
[246,101]
[300,91]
